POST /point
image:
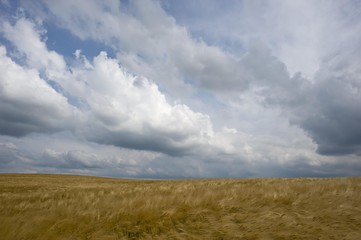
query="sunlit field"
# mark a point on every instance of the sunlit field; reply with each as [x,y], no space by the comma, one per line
[78,207]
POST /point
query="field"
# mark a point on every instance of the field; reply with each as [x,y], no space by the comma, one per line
[36,206]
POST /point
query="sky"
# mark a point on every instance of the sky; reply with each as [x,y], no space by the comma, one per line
[170,89]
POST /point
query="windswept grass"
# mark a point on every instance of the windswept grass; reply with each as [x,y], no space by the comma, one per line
[76,207]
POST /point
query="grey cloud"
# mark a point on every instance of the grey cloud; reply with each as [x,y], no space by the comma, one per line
[335,122]
[14,158]
[329,110]
[19,119]
[337,167]
[172,143]
[40,153]
[29,106]
[6,153]
[328,106]
[151,141]
[152,44]
[221,166]
[73,159]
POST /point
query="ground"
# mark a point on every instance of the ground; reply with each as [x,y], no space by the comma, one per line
[41,206]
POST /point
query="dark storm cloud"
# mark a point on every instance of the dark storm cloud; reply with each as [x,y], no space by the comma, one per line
[20,118]
[154,140]
[334,120]
[329,110]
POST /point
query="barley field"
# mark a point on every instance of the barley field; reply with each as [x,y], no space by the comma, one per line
[40,206]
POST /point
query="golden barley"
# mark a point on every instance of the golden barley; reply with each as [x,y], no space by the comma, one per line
[40,206]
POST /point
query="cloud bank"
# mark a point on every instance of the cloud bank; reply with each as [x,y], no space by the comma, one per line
[97,100]
[189,99]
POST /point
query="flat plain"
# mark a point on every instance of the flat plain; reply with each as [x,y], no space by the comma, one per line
[44,206]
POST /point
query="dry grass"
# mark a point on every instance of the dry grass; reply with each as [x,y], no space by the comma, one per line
[75,207]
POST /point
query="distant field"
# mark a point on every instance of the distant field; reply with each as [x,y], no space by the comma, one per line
[77,207]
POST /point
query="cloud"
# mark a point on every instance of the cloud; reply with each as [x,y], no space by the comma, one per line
[66,153]
[272,158]
[26,36]
[149,42]
[171,99]
[326,107]
[6,156]
[73,159]
[300,33]
[333,111]
[130,111]
[27,103]
[296,37]
[116,108]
